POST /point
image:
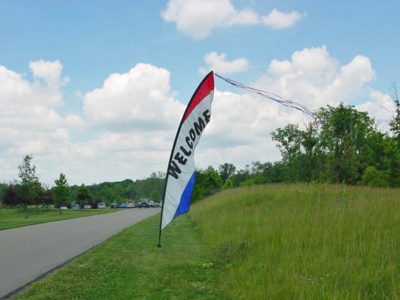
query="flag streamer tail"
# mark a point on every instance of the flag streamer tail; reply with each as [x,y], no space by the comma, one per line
[270,96]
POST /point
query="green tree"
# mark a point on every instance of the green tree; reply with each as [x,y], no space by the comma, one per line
[208,182]
[10,196]
[228,184]
[47,197]
[3,187]
[29,181]
[212,180]
[289,139]
[311,155]
[374,178]
[337,148]
[82,196]
[226,170]
[155,195]
[395,123]
[61,191]
[391,161]
[344,138]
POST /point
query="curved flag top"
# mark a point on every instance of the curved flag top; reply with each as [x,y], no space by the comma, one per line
[180,174]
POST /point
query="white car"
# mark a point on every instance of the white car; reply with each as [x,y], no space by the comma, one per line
[130,204]
[101,205]
[87,206]
[63,207]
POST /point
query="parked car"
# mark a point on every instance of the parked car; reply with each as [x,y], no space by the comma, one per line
[122,205]
[130,204]
[87,206]
[101,205]
[63,207]
[114,205]
[76,207]
[143,204]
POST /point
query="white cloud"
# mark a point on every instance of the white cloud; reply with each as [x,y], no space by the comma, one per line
[219,63]
[74,122]
[280,20]
[199,18]
[27,105]
[126,129]
[128,124]
[48,71]
[314,78]
[381,107]
[136,100]
[244,17]
[241,124]
[240,128]
[29,121]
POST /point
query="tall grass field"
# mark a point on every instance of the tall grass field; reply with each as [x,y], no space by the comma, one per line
[261,242]
[305,241]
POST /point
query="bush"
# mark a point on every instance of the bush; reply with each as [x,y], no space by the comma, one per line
[374,178]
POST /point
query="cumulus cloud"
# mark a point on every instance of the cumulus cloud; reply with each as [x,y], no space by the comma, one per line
[74,122]
[240,128]
[219,63]
[29,121]
[28,105]
[125,131]
[199,18]
[313,77]
[241,123]
[48,71]
[381,107]
[136,100]
[280,20]
[128,123]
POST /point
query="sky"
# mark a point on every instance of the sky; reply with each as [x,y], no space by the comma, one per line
[96,89]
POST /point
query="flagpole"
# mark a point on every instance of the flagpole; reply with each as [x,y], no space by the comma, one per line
[165,188]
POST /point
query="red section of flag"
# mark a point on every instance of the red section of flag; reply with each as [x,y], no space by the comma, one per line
[203,91]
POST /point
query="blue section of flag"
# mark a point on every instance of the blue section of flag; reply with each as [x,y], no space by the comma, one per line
[184,204]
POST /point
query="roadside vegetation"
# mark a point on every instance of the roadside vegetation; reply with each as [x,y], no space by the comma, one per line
[299,241]
[12,218]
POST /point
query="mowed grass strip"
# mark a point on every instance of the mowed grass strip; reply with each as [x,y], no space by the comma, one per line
[131,266]
[13,218]
[304,241]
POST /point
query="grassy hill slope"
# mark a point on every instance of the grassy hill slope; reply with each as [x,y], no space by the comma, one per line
[305,241]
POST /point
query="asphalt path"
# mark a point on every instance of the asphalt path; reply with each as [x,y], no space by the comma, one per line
[28,253]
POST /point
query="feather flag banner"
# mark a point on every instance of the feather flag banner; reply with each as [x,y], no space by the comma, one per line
[180,176]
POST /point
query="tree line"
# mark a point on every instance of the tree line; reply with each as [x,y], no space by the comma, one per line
[28,190]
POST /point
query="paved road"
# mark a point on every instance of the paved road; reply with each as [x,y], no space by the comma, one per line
[29,252]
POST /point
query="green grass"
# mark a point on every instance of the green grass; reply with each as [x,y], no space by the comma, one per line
[130,266]
[305,241]
[12,218]
[261,242]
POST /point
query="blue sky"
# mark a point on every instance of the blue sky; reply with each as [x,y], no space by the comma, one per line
[69,49]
